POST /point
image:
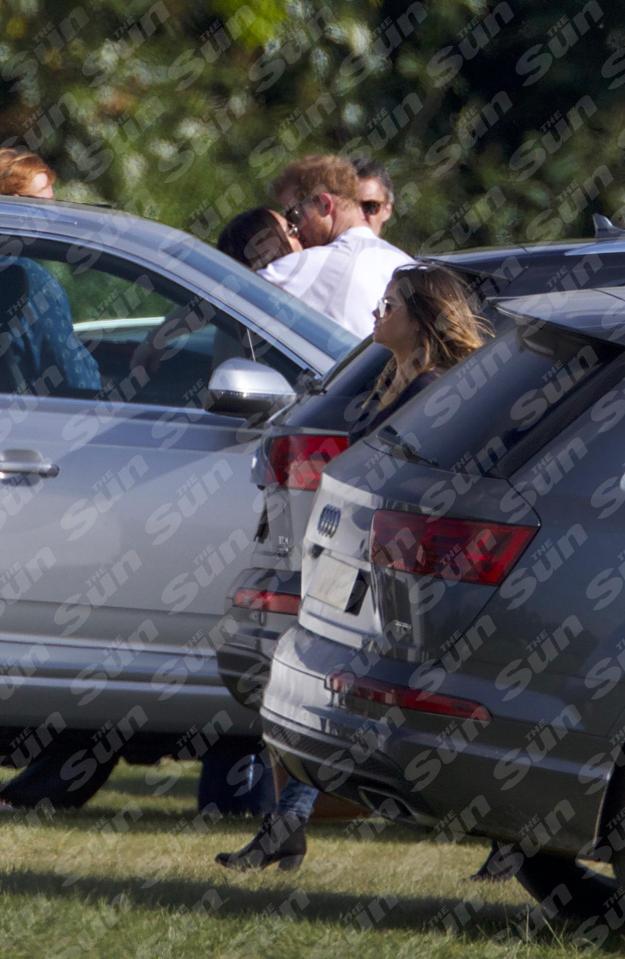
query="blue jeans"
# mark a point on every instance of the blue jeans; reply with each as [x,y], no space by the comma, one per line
[297,798]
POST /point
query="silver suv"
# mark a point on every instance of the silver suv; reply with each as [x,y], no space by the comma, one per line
[127,509]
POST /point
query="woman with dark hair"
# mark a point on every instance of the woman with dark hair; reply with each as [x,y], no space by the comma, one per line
[425,320]
[255,238]
[258,237]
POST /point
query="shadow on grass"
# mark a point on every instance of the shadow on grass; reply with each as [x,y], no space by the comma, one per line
[244,826]
[161,821]
[473,919]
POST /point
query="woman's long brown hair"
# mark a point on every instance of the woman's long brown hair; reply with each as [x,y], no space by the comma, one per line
[446,328]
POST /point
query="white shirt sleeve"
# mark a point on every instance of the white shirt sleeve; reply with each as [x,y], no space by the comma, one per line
[343,280]
[296,272]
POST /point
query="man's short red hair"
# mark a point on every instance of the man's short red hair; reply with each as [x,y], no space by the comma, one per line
[324,173]
[17,170]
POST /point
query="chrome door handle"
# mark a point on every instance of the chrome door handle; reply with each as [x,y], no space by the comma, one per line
[26,463]
[11,467]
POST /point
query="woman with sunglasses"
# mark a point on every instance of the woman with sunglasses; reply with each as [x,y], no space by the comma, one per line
[257,237]
[426,322]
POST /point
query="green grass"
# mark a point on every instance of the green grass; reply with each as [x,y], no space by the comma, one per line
[132,875]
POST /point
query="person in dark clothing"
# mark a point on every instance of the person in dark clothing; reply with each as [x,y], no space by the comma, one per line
[36,323]
[425,320]
[36,326]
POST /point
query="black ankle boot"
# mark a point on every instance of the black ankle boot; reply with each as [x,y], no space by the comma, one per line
[281,838]
[495,868]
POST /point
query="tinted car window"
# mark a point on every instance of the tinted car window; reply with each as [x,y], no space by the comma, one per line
[510,397]
[66,329]
[357,369]
[336,402]
[314,327]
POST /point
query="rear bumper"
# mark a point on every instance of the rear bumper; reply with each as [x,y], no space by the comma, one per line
[245,662]
[332,763]
[248,637]
[465,775]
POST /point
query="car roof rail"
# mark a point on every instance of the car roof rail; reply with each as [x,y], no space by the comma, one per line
[104,204]
[604,227]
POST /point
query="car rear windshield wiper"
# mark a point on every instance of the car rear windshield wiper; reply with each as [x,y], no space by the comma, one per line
[390,437]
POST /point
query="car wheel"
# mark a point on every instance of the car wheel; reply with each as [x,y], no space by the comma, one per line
[236,778]
[42,780]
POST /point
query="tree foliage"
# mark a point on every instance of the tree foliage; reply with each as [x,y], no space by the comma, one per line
[499,121]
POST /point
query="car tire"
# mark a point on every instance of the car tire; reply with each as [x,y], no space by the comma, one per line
[236,778]
[41,780]
[564,887]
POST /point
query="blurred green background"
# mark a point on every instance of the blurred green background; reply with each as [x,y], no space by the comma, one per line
[499,122]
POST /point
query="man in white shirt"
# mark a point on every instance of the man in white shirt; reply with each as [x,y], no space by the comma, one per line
[344,268]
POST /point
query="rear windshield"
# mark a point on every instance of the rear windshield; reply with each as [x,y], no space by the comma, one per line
[357,371]
[492,412]
[335,402]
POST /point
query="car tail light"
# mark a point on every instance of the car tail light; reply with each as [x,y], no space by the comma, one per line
[420,700]
[297,461]
[469,551]
[267,601]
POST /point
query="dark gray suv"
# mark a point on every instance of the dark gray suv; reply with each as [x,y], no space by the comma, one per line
[263,601]
[459,651]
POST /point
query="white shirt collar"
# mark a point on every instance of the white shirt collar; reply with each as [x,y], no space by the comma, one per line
[358,231]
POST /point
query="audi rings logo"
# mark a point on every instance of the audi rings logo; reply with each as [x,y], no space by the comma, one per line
[329,520]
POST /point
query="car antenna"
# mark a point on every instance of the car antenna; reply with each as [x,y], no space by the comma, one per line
[604,227]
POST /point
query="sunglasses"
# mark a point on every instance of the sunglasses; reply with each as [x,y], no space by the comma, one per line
[383,306]
[295,213]
[424,266]
[371,207]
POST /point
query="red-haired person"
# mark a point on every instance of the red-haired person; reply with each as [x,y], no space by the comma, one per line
[344,267]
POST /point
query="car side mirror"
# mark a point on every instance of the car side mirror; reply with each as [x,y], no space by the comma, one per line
[243,387]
